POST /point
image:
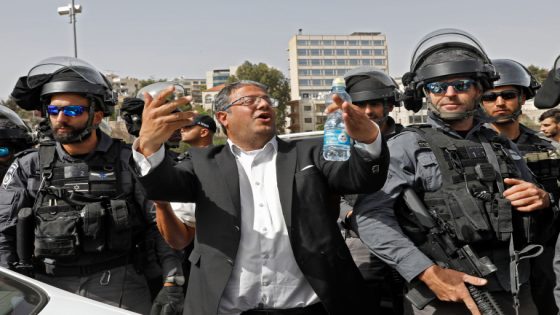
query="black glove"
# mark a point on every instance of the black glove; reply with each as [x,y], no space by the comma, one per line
[169,301]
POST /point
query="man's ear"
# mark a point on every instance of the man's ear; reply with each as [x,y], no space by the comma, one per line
[97,117]
[203,132]
[222,118]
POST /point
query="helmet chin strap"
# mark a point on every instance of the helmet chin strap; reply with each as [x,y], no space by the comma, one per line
[382,120]
[450,116]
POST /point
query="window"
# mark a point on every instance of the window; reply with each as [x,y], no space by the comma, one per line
[314,42]
[354,62]
[328,52]
[341,72]
[366,42]
[302,52]
[302,43]
[329,72]
[340,43]
[307,108]
[353,52]
[317,82]
[315,52]
[308,120]
[315,62]
[315,72]
[329,62]
[366,62]
[303,72]
[341,52]
[304,82]
[378,43]
[302,62]
[379,62]
[352,43]
[328,43]
[366,52]
[379,52]
[341,62]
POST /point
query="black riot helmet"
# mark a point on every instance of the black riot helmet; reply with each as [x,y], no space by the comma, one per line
[58,75]
[14,131]
[512,73]
[549,95]
[442,54]
[371,84]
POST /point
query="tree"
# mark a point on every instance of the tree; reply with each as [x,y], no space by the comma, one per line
[539,73]
[278,86]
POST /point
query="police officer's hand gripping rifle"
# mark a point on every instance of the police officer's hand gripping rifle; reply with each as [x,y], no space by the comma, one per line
[442,248]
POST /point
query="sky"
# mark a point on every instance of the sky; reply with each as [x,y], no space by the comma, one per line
[172,38]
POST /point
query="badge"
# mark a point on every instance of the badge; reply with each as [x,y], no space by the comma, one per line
[9,175]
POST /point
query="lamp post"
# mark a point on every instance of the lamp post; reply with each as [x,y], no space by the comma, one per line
[71,11]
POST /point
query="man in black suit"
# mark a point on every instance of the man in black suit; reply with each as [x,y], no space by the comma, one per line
[267,238]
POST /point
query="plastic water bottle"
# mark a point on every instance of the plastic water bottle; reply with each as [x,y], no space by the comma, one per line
[336,142]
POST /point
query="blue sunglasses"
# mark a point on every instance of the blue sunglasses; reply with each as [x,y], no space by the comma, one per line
[70,110]
[458,85]
[4,151]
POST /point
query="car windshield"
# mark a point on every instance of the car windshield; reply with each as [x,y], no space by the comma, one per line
[18,298]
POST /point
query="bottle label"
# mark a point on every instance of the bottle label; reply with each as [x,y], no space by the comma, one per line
[336,137]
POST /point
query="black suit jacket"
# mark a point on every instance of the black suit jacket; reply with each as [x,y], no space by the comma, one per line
[209,178]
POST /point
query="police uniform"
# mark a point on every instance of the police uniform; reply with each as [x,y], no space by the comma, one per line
[413,164]
[84,242]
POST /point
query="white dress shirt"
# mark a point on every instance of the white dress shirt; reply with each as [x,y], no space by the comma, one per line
[265,273]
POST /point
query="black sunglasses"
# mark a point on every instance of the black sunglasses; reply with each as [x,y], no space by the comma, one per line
[493,96]
[458,85]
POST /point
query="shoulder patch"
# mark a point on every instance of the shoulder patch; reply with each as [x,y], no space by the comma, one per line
[423,144]
[10,175]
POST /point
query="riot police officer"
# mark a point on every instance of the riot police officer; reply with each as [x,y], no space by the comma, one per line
[376,93]
[474,184]
[82,221]
[15,136]
[503,103]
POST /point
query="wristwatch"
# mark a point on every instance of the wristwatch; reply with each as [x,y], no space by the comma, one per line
[177,280]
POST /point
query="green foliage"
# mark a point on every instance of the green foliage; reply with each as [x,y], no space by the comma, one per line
[278,86]
[537,72]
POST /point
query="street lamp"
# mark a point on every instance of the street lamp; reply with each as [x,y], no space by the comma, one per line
[71,10]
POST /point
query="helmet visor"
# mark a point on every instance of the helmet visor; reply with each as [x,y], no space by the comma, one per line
[45,69]
[447,37]
[557,69]
[13,117]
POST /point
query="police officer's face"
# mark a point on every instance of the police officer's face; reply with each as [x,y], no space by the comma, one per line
[506,103]
[65,127]
[549,127]
[373,109]
[190,133]
[453,101]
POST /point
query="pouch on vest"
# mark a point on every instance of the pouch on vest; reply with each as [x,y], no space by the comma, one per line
[463,213]
[93,228]
[56,231]
[120,232]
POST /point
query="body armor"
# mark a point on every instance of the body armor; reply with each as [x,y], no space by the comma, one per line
[470,203]
[81,211]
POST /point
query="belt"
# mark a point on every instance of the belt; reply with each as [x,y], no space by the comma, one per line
[313,309]
[50,267]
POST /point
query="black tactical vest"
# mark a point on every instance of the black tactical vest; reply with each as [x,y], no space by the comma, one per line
[81,208]
[469,203]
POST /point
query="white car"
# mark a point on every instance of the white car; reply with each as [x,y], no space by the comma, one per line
[20,295]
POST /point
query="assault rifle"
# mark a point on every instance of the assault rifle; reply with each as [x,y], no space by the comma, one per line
[442,248]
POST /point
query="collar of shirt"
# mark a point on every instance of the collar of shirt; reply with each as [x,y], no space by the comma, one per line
[103,146]
[237,151]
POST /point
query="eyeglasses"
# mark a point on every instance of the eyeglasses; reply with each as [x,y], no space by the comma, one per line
[458,85]
[70,110]
[4,151]
[251,100]
[493,96]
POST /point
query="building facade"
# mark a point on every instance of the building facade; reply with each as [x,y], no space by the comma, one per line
[219,76]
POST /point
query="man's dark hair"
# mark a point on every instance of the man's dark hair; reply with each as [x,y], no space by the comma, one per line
[551,113]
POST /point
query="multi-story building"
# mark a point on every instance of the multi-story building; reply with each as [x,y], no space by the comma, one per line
[193,87]
[315,60]
[124,86]
[219,76]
